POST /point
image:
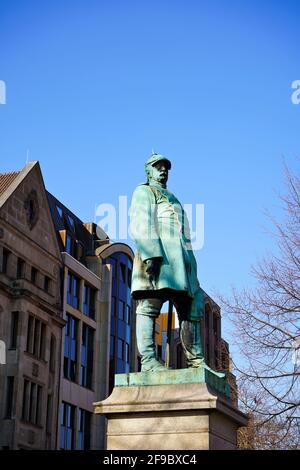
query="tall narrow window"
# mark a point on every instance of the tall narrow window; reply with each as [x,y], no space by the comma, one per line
[128,314]
[207,342]
[69,245]
[60,212]
[30,330]
[52,353]
[84,429]
[34,275]
[42,341]
[20,268]
[67,426]
[87,351]
[73,290]
[70,350]
[32,402]
[89,295]
[38,410]
[127,353]
[25,406]
[121,310]
[9,396]
[123,272]
[129,278]
[49,414]
[5,258]
[47,283]
[37,338]
[14,329]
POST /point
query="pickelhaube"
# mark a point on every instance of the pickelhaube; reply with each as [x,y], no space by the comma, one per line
[157,157]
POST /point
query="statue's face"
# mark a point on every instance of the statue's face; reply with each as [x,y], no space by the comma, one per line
[160,172]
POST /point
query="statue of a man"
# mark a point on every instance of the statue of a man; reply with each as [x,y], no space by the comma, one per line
[164,266]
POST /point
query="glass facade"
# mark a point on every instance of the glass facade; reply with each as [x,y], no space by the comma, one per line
[121,306]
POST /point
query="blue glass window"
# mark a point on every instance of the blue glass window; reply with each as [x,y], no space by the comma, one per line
[84,429]
[67,426]
[70,349]
[73,290]
[89,297]
[87,352]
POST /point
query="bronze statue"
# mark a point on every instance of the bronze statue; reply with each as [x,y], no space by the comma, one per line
[164,266]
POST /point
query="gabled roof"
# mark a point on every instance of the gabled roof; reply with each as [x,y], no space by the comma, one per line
[6,179]
[11,180]
[11,183]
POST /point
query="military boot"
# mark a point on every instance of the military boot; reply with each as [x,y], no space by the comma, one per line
[191,343]
[145,325]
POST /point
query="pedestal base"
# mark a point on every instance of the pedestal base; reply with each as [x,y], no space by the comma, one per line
[184,416]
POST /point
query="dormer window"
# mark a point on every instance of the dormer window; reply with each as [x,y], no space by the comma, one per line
[71,222]
[60,212]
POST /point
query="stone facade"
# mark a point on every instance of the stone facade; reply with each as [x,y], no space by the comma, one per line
[30,315]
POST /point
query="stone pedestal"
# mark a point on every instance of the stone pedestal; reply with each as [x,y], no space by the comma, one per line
[188,414]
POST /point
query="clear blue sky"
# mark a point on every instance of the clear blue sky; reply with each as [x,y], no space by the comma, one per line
[93,86]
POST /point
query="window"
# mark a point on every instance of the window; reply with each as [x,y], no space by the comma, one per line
[9,396]
[49,414]
[87,351]
[70,351]
[32,402]
[52,353]
[47,282]
[129,278]
[69,244]
[5,258]
[112,346]
[41,352]
[120,348]
[71,222]
[121,310]
[73,290]
[14,329]
[36,337]
[123,272]
[60,212]
[34,274]
[20,268]
[128,314]
[207,313]
[126,353]
[84,429]
[215,325]
[89,296]
[67,426]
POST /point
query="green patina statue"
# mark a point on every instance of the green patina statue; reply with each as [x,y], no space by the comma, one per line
[164,266]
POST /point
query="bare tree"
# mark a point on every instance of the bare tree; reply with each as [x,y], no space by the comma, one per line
[267,332]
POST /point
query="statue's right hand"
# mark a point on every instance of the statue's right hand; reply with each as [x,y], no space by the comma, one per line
[153,267]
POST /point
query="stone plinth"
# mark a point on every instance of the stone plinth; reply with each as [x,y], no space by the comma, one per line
[186,415]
